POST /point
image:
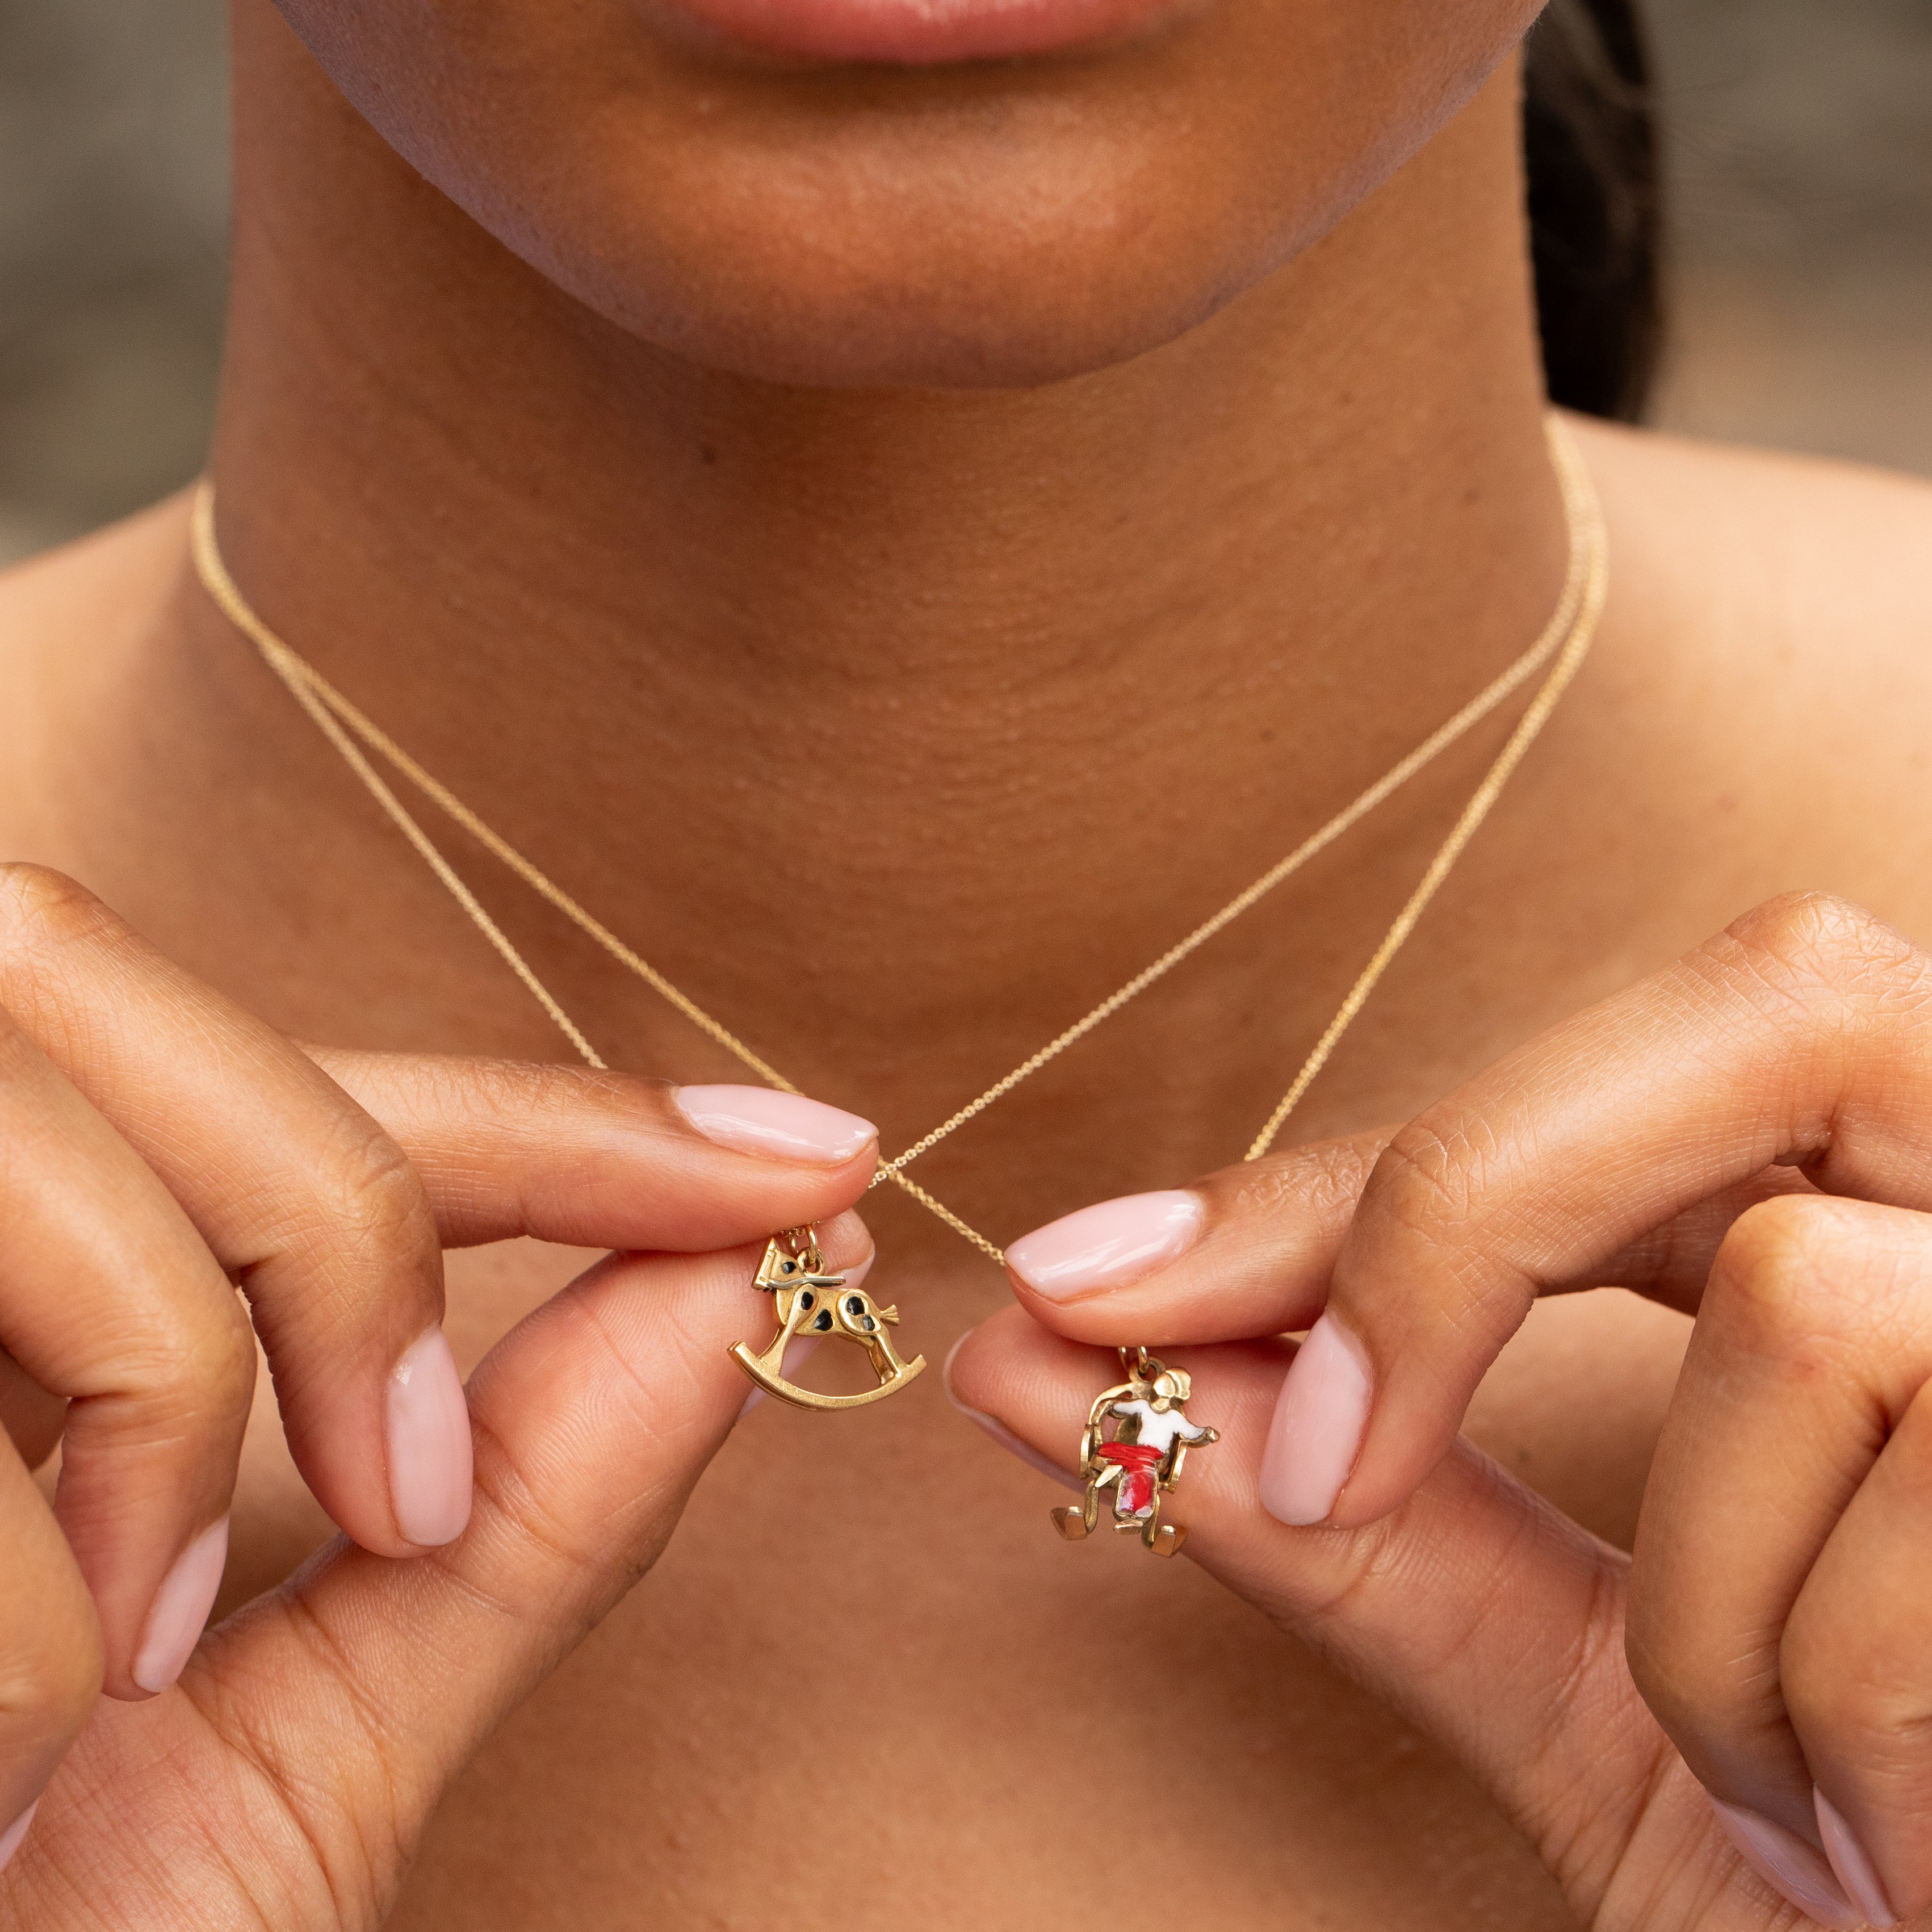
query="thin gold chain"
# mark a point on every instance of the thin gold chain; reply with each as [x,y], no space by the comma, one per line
[1567,638]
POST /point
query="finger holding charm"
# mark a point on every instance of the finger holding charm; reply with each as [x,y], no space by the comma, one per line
[1486,1617]
[1680,1139]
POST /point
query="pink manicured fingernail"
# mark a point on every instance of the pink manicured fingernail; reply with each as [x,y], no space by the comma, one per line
[10,1838]
[1787,1864]
[785,1126]
[999,1432]
[431,1460]
[1317,1428]
[1108,1245]
[1852,1863]
[180,1613]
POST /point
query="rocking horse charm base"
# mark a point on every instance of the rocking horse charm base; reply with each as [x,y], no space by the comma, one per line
[811,1302]
[1142,1464]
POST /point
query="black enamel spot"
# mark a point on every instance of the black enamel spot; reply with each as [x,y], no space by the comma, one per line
[824,1319]
[808,1299]
[868,1324]
[855,1304]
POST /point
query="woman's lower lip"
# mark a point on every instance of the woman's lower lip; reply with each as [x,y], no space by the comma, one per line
[916,32]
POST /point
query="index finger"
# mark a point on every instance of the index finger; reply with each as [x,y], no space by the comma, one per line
[593,1159]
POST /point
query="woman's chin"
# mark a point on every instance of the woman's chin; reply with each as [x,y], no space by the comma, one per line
[828,326]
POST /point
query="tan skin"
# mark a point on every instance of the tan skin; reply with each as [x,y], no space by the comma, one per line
[899,546]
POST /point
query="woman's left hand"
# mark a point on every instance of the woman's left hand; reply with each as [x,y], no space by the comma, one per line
[1747,1136]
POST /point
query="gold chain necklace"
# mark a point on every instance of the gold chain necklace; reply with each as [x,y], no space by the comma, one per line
[793,1267]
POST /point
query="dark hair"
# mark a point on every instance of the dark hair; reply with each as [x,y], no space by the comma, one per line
[1590,143]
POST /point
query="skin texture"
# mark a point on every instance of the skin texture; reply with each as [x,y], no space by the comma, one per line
[660,462]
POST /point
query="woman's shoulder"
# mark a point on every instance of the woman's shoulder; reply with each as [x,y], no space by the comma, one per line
[1767,663]
[71,620]
[113,575]
[1793,555]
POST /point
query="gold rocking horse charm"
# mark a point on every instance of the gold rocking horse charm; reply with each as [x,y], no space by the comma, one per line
[1142,1462]
[811,1302]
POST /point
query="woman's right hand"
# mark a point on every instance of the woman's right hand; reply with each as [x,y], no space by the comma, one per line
[159,1148]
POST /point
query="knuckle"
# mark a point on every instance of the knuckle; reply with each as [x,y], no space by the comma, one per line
[1322,1183]
[1767,1274]
[1437,1210]
[596,1113]
[191,1368]
[562,1097]
[227,1363]
[372,1199]
[1764,1263]
[1809,1268]
[1431,1173]
[566,1091]
[1813,946]
[1854,1698]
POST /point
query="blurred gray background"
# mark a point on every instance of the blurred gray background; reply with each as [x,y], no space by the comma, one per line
[1801,136]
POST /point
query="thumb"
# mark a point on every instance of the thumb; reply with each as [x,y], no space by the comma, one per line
[1487,1618]
[363,1684]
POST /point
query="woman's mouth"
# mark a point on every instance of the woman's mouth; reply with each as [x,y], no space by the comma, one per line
[916,32]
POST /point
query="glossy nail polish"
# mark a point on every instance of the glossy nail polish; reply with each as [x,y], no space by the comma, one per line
[431,1467]
[1001,1433]
[1108,1245]
[11,1838]
[781,1126]
[181,1608]
[1316,1431]
[1851,1864]
[1785,1863]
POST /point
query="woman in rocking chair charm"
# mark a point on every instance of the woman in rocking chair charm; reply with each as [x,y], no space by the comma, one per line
[1142,1461]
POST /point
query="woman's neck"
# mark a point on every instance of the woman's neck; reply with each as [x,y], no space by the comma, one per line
[882,717]
[421,439]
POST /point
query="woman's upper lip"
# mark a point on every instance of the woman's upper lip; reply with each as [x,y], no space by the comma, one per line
[916,32]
